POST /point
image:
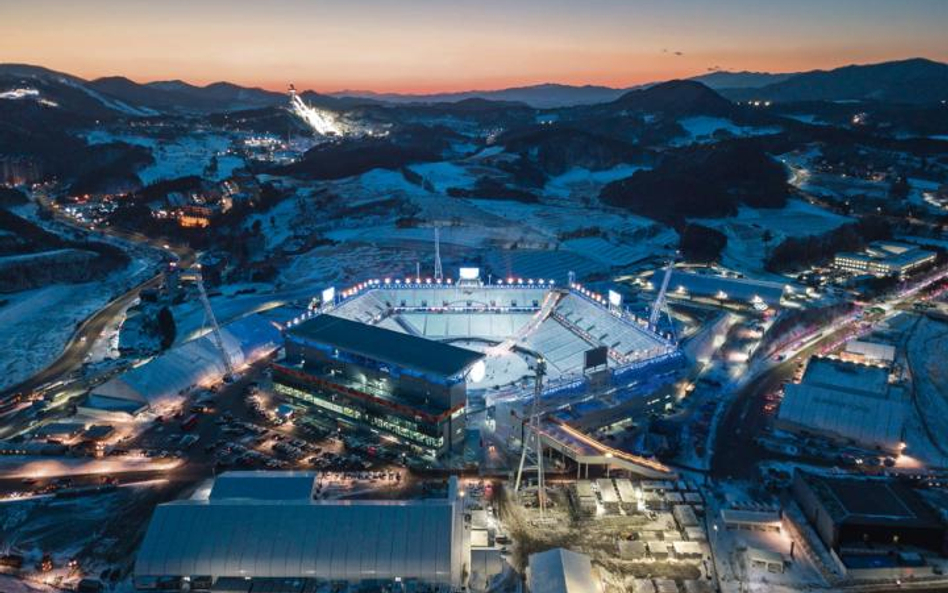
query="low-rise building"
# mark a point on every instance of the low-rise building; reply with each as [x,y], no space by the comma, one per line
[847,402]
[884,258]
[861,512]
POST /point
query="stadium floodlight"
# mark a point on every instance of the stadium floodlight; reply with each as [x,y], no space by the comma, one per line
[478,372]
[615,299]
[329,295]
[388,280]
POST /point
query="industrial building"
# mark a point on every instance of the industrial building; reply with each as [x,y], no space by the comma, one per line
[367,376]
[884,258]
[848,402]
[865,512]
[247,532]
[165,379]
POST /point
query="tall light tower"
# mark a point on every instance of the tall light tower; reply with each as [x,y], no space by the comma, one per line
[534,449]
[438,272]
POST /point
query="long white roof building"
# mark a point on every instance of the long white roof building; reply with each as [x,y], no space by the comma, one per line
[327,540]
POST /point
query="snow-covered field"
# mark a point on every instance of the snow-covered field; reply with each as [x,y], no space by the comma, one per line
[926,349]
[583,183]
[702,128]
[178,157]
[39,323]
[510,237]
[746,247]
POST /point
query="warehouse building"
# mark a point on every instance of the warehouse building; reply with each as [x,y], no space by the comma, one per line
[246,532]
[847,402]
[861,512]
[369,377]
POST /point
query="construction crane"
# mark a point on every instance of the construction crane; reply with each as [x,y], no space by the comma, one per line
[659,303]
[215,328]
[534,450]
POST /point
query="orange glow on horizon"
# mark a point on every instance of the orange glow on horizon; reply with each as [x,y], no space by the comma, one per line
[428,46]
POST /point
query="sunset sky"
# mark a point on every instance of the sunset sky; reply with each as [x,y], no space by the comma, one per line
[446,45]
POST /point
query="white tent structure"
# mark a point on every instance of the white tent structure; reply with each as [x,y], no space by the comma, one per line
[561,571]
[328,540]
[167,377]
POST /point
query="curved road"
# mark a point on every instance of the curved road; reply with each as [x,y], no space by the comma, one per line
[83,339]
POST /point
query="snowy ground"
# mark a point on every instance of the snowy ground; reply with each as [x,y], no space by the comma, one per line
[583,183]
[702,129]
[925,349]
[746,248]
[39,323]
[177,157]
[529,240]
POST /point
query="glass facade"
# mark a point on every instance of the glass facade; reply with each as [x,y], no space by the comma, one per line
[415,431]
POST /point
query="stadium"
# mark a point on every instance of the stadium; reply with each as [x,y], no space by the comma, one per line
[412,357]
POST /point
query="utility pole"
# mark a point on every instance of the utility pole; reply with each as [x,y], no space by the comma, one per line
[534,450]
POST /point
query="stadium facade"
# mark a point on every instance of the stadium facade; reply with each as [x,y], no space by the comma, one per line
[404,358]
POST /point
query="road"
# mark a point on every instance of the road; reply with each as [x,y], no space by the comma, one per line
[83,340]
[735,452]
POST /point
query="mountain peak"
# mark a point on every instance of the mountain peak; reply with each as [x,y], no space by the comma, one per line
[677,97]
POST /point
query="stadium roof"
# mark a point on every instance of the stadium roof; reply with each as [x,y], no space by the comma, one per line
[279,485]
[561,571]
[385,345]
[847,400]
[329,540]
